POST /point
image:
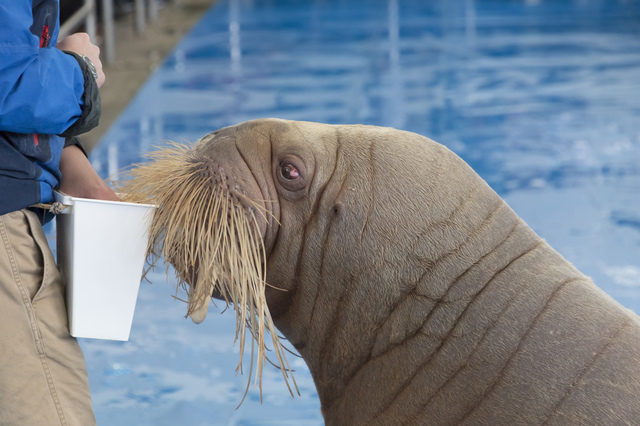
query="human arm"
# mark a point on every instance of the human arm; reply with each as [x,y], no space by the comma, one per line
[42,90]
[80,43]
[79,178]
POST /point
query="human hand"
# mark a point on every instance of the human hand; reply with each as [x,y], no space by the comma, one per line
[80,43]
[79,178]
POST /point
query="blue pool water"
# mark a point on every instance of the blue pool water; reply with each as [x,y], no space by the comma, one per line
[541,97]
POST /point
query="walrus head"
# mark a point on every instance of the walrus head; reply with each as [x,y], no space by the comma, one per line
[412,291]
[266,215]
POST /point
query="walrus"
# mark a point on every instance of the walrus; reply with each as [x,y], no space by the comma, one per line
[413,292]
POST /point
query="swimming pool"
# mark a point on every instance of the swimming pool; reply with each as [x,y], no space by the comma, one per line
[542,98]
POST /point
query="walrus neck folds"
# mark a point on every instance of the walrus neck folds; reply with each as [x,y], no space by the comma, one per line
[369,336]
[398,314]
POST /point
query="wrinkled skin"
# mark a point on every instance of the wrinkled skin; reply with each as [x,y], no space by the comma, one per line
[415,294]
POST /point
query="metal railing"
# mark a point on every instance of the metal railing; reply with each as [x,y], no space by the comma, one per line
[86,16]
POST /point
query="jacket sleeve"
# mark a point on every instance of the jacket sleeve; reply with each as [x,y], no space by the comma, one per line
[42,90]
[75,140]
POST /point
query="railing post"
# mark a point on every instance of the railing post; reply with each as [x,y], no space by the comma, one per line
[140,16]
[91,20]
[82,15]
[109,32]
[153,10]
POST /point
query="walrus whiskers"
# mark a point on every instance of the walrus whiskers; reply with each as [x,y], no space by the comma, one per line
[201,226]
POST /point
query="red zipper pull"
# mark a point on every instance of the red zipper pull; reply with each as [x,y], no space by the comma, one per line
[45,37]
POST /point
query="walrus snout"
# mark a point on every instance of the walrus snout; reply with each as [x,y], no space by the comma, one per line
[237,164]
[217,220]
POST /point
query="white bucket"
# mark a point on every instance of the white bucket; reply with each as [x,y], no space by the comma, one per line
[101,248]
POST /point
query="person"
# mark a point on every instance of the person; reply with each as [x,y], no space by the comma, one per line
[48,96]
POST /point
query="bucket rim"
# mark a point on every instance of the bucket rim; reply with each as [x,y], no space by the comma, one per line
[70,201]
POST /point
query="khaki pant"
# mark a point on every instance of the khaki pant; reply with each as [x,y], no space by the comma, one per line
[43,377]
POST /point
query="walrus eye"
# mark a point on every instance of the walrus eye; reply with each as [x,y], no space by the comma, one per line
[289,171]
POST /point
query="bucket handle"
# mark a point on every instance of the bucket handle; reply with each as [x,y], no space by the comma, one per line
[56,207]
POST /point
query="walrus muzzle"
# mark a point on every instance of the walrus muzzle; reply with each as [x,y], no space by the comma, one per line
[412,291]
[210,233]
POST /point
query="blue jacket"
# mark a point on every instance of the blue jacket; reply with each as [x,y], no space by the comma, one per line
[45,100]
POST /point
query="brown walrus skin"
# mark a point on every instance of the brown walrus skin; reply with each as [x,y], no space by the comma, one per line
[414,293]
